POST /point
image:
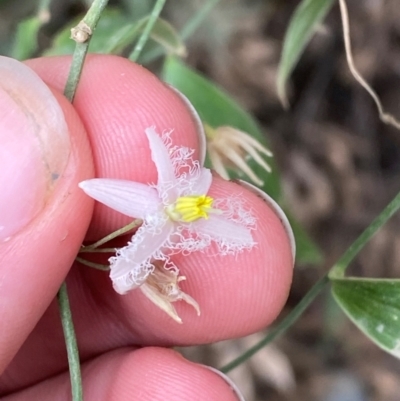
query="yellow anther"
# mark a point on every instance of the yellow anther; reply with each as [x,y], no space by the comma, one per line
[190,208]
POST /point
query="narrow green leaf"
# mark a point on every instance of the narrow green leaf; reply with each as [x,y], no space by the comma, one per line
[307,16]
[25,41]
[216,108]
[374,306]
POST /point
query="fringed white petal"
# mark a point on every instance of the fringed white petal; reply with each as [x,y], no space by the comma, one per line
[162,159]
[202,183]
[127,197]
[133,263]
[229,235]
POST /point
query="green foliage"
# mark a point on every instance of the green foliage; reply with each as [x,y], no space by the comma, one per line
[25,41]
[308,14]
[374,306]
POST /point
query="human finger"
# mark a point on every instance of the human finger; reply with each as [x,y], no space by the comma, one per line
[148,374]
[43,216]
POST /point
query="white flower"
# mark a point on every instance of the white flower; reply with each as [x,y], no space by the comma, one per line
[230,147]
[178,215]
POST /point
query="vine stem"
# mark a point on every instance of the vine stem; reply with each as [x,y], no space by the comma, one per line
[92,264]
[71,343]
[90,248]
[190,27]
[282,326]
[199,16]
[339,268]
[337,271]
[89,22]
[155,13]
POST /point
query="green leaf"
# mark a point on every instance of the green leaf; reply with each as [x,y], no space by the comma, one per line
[307,252]
[307,16]
[216,108]
[374,306]
[25,42]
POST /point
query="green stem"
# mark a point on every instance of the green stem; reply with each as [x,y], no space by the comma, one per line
[199,16]
[72,346]
[111,236]
[282,326]
[90,20]
[155,13]
[191,26]
[339,268]
[101,250]
[97,266]
[337,271]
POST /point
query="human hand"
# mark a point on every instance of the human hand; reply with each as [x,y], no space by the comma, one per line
[46,216]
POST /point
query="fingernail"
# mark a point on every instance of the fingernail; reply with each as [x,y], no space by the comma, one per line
[198,123]
[229,381]
[278,211]
[34,145]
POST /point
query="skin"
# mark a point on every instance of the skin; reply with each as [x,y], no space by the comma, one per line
[124,340]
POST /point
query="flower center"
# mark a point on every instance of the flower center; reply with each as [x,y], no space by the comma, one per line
[190,208]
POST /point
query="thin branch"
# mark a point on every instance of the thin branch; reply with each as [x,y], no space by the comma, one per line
[87,25]
[191,26]
[82,34]
[88,263]
[155,13]
[70,341]
[281,327]
[109,237]
[199,16]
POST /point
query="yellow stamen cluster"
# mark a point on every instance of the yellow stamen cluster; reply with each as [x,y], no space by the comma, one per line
[190,208]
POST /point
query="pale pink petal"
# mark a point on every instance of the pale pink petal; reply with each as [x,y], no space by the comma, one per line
[133,262]
[162,159]
[127,197]
[203,182]
[222,230]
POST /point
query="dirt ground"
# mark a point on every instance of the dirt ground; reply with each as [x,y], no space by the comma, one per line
[340,166]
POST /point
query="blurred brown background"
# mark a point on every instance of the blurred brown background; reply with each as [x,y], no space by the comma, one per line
[340,166]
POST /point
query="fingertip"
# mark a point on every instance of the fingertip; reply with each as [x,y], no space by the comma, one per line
[147,374]
[278,211]
[241,293]
[42,252]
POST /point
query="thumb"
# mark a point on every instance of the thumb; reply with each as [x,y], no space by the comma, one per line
[44,153]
